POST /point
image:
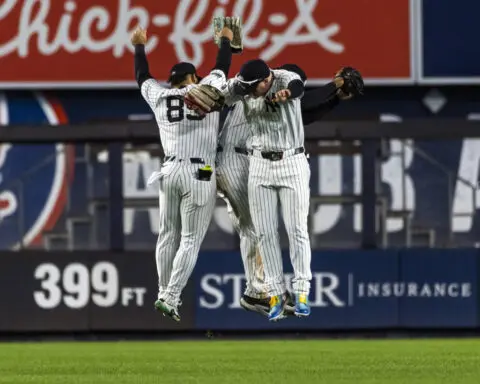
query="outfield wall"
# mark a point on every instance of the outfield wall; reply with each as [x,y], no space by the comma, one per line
[351,290]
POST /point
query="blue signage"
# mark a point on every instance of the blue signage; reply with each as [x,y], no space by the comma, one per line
[352,290]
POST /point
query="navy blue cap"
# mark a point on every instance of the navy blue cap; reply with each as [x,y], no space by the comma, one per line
[254,70]
[182,69]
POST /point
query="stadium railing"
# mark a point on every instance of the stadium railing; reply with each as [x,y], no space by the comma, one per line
[348,138]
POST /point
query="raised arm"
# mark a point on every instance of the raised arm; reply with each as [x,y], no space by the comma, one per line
[142,71]
[150,88]
[224,55]
[218,76]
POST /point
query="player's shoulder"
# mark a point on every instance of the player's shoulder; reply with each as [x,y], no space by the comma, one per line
[282,74]
[152,82]
[149,85]
[216,78]
[227,85]
[154,91]
[178,91]
[217,73]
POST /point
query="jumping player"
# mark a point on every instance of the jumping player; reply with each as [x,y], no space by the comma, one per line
[187,191]
[278,170]
[232,179]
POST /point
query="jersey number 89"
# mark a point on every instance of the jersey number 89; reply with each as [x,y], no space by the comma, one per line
[175,111]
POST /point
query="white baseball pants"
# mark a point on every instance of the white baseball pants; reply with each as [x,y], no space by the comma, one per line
[186,209]
[286,180]
[232,182]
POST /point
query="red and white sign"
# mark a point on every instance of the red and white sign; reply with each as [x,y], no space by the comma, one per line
[67,43]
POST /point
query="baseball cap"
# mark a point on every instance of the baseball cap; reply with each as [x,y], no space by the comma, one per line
[253,71]
[180,70]
[295,69]
[251,74]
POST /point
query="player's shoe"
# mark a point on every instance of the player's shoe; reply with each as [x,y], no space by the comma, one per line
[252,304]
[277,308]
[167,309]
[302,306]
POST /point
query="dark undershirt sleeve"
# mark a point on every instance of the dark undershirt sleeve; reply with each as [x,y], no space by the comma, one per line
[317,97]
[296,88]
[142,72]
[224,57]
[317,114]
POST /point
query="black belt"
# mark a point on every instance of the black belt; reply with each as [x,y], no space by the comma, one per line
[275,156]
[242,151]
[193,160]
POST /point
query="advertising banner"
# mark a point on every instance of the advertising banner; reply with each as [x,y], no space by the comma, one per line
[82,291]
[437,288]
[46,43]
[353,290]
[101,291]
[335,298]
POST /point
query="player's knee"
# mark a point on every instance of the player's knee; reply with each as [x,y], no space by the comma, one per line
[167,231]
[298,232]
[167,237]
[267,236]
[189,242]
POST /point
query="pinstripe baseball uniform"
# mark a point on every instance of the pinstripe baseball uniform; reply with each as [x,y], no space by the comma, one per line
[186,203]
[232,182]
[279,171]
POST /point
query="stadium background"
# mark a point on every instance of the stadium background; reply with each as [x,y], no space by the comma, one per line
[78,224]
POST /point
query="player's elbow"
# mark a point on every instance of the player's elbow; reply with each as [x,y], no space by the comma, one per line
[141,78]
[296,88]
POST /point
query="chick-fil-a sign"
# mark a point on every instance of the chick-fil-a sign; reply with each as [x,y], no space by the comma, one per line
[86,43]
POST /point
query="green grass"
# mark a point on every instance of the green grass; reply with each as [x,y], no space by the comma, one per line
[311,361]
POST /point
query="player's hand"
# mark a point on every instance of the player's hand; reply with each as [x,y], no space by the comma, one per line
[139,36]
[226,32]
[282,96]
[343,96]
[338,80]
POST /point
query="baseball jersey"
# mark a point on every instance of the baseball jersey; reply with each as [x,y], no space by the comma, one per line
[274,126]
[236,130]
[182,132]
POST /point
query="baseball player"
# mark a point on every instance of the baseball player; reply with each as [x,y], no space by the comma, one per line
[232,179]
[187,193]
[279,171]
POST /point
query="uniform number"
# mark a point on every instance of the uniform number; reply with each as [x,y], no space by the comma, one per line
[175,111]
[76,285]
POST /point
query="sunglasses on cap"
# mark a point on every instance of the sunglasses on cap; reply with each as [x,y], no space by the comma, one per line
[247,85]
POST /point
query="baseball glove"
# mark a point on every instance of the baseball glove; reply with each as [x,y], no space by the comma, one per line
[233,23]
[353,81]
[204,98]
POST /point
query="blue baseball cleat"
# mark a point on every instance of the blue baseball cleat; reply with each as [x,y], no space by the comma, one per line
[277,308]
[302,306]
